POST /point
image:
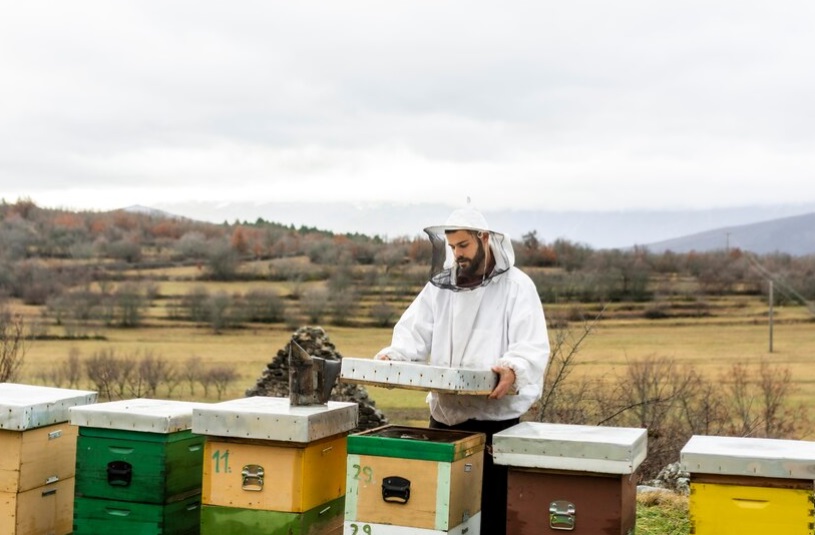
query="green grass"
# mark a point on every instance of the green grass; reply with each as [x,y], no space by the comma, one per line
[660,513]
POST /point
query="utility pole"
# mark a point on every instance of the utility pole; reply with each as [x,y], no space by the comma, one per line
[771,316]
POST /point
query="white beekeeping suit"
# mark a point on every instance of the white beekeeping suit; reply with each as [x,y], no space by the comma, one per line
[499,321]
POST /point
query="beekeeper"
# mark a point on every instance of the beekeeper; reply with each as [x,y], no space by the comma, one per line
[477,311]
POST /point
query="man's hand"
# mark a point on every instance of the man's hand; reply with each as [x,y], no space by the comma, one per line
[382,357]
[506,382]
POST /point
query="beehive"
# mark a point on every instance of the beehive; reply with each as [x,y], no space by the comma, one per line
[750,485]
[273,466]
[96,517]
[408,479]
[138,464]
[38,464]
[325,519]
[570,477]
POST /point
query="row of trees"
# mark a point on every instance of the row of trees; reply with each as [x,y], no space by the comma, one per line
[125,376]
[112,375]
[114,241]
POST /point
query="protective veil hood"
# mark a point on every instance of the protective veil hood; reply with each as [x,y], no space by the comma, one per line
[443,266]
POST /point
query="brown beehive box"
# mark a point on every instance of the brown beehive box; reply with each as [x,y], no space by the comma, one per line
[570,477]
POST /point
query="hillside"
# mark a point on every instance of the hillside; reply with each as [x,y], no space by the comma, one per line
[612,229]
[792,235]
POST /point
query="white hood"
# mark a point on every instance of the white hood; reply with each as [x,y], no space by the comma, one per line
[442,271]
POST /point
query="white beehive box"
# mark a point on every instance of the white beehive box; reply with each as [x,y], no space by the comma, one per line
[745,456]
[27,407]
[417,376]
[584,448]
[272,418]
[140,414]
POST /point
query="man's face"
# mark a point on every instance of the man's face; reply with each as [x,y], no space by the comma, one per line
[468,252]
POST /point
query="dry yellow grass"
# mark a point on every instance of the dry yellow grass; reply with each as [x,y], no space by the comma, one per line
[710,348]
[247,351]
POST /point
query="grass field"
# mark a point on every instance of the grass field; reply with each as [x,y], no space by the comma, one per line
[710,334]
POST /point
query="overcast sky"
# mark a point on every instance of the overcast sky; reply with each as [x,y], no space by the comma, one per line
[567,105]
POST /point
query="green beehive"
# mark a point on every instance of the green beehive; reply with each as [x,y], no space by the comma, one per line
[325,519]
[138,467]
[95,517]
[139,450]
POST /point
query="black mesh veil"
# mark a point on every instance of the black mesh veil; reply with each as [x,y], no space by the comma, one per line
[443,267]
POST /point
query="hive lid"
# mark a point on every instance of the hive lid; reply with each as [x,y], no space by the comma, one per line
[585,448]
[745,456]
[417,376]
[444,445]
[26,406]
[139,414]
[273,418]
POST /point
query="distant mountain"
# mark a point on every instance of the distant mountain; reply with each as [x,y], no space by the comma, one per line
[146,210]
[793,235]
[600,230]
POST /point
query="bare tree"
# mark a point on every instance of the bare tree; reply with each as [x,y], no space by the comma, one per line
[742,400]
[562,360]
[649,396]
[221,377]
[564,400]
[101,369]
[71,368]
[705,410]
[760,402]
[126,375]
[190,372]
[172,378]
[223,312]
[153,370]
[780,418]
[13,345]
[130,304]
[344,304]
[383,313]
[263,306]
[195,304]
[315,303]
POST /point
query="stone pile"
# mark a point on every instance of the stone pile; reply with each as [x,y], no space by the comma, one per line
[275,379]
[672,478]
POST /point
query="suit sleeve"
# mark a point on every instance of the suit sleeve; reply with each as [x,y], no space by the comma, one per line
[413,333]
[528,349]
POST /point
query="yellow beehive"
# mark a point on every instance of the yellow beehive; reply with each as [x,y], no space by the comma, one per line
[38,460]
[37,457]
[264,454]
[39,511]
[750,486]
[273,476]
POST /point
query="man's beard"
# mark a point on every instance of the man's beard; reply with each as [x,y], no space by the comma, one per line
[468,267]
